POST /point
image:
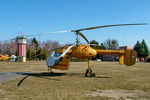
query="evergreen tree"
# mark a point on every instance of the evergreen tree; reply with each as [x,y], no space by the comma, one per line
[94,42]
[96,45]
[137,48]
[144,49]
[35,48]
[30,53]
[141,49]
[35,43]
[103,47]
[44,54]
[39,54]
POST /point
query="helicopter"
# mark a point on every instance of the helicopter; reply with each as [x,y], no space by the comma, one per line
[4,57]
[60,58]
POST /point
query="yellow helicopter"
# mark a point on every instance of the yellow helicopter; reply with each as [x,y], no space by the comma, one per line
[4,58]
[60,58]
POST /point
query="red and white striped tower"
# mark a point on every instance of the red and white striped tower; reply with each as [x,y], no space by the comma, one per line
[21,41]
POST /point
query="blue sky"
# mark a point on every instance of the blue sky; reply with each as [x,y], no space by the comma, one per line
[41,16]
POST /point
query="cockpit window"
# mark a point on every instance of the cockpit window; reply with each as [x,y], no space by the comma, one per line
[57,54]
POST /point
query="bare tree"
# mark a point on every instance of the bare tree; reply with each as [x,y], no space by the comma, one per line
[8,47]
[49,44]
[1,46]
[13,47]
[111,44]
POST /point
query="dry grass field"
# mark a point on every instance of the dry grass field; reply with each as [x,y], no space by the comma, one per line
[112,82]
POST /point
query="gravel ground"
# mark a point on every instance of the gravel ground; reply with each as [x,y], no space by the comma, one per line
[4,76]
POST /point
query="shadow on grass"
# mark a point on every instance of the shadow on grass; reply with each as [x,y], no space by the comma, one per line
[83,75]
[41,74]
[103,77]
[44,75]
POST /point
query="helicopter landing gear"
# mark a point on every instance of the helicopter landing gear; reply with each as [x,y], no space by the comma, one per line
[50,70]
[89,72]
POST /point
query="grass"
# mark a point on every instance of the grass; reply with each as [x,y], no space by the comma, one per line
[71,84]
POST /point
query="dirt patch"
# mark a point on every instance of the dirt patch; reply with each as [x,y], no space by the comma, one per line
[1,91]
[120,94]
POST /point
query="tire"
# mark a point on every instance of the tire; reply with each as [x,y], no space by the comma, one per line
[89,73]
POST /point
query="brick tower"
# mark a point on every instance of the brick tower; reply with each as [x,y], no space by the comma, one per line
[21,42]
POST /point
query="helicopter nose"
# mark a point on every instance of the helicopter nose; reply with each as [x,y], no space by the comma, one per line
[93,53]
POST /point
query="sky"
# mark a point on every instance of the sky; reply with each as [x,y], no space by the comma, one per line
[43,16]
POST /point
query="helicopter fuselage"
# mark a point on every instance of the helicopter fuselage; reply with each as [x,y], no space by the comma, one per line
[83,52]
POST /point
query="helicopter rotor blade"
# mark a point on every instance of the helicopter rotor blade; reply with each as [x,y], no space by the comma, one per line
[8,40]
[38,34]
[83,36]
[78,31]
[48,33]
[59,31]
[63,54]
[90,28]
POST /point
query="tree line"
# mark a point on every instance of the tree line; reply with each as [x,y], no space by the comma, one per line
[140,47]
[39,50]
[35,50]
[8,48]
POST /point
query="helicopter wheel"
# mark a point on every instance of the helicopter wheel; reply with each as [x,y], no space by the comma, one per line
[89,73]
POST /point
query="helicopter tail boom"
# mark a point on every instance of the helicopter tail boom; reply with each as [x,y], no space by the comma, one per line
[126,57]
